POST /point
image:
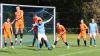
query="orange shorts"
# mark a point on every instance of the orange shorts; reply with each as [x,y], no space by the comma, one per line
[82,35]
[7,35]
[19,25]
[62,37]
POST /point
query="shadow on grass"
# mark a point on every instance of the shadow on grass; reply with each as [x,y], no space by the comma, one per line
[5,51]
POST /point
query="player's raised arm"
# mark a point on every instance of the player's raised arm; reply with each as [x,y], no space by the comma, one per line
[13,21]
[32,27]
[11,29]
[49,20]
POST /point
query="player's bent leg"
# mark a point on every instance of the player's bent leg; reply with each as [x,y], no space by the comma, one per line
[43,42]
[56,40]
[47,42]
[39,41]
[64,39]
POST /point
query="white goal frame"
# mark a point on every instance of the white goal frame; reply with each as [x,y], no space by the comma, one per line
[1,18]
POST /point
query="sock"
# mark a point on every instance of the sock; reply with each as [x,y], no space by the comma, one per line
[78,42]
[66,43]
[21,40]
[38,45]
[55,42]
[5,44]
[11,43]
[34,41]
[45,43]
[90,41]
[48,45]
[41,45]
[94,42]
[16,35]
[21,35]
[85,42]
[15,40]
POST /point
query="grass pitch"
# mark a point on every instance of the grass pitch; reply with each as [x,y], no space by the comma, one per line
[60,50]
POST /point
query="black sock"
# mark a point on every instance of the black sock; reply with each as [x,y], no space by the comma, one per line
[21,35]
[21,40]
[5,44]
[45,43]
[33,42]
[66,43]
[85,42]
[11,43]
[55,42]
[16,35]
[78,42]
[41,44]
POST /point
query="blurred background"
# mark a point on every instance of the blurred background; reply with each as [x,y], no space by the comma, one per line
[68,12]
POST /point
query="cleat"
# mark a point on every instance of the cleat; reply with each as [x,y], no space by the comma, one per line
[49,48]
[94,45]
[12,47]
[53,46]
[68,47]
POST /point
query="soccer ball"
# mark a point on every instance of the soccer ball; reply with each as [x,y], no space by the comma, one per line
[53,46]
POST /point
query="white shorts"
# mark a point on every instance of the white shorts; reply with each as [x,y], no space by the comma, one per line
[40,36]
[93,34]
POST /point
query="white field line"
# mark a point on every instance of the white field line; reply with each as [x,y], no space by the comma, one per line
[78,52]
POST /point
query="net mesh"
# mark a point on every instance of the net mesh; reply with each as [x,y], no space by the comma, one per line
[29,12]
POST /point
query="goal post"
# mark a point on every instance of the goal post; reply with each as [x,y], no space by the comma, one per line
[45,12]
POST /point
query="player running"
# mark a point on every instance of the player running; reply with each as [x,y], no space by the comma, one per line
[19,23]
[82,34]
[93,30]
[8,32]
[61,34]
[41,32]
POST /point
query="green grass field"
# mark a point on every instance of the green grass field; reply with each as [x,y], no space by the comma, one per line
[60,50]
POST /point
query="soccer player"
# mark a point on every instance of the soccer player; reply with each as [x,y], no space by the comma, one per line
[93,30]
[35,29]
[41,32]
[35,20]
[82,34]
[19,24]
[61,34]
[8,32]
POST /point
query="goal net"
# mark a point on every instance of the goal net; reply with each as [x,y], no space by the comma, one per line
[45,12]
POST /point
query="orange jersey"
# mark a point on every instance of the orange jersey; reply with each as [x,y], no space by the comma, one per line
[83,28]
[19,15]
[60,29]
[7,27]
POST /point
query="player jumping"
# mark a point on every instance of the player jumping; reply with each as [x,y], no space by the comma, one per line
[19,23]
[61,34]
[82,34]
[93,30]
[41,32]
[8,32]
